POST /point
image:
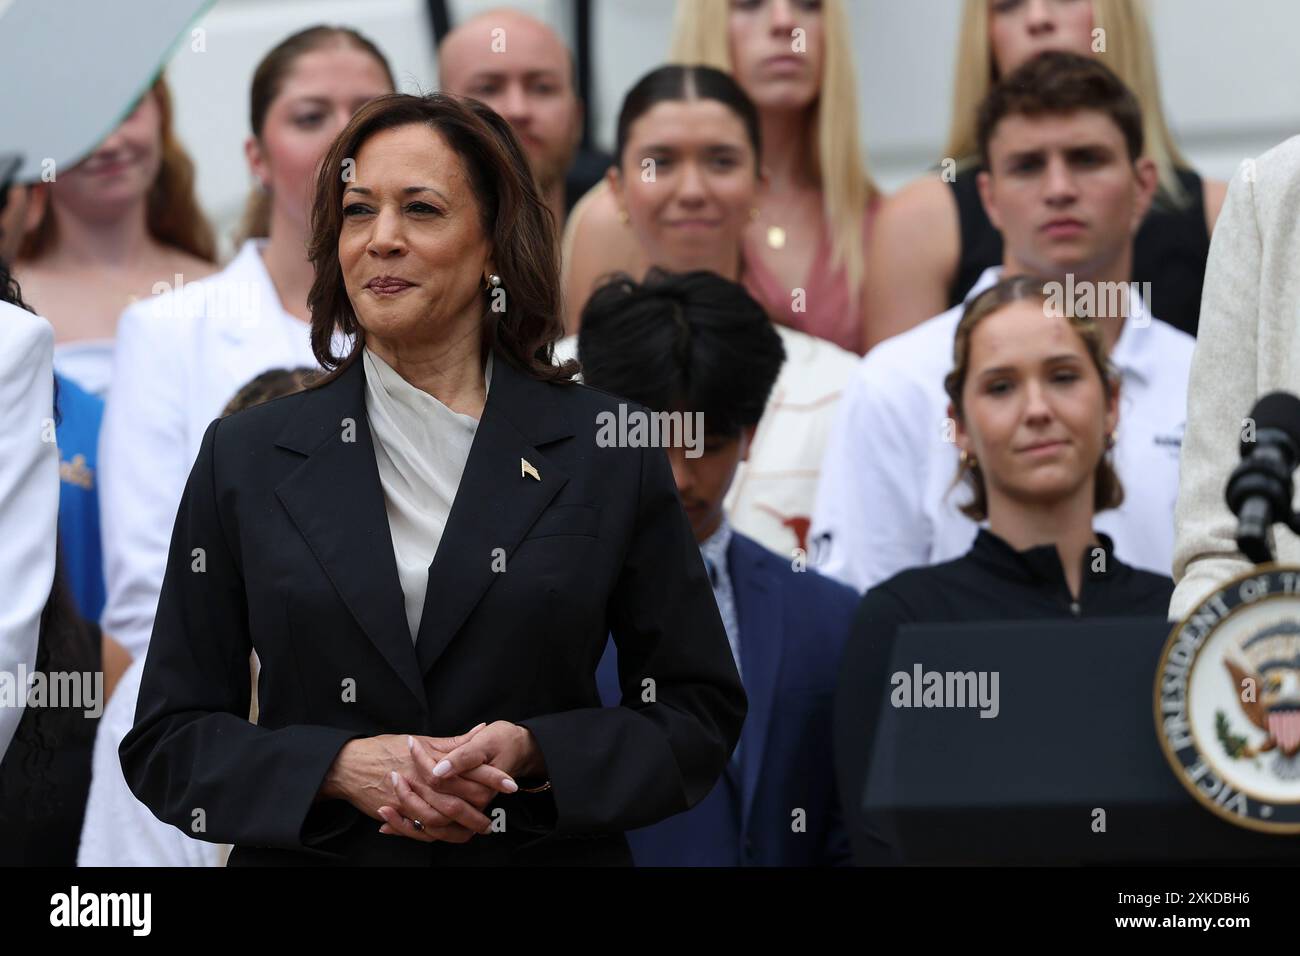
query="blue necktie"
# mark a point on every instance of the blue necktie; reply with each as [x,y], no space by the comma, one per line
[733,765]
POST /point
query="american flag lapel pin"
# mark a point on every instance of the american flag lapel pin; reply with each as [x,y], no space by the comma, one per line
[526,469]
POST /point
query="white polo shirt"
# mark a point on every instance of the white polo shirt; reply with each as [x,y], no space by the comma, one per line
[884,501]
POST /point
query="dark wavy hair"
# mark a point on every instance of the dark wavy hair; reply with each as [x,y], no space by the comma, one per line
[690,341]
[514,219]
[9,289]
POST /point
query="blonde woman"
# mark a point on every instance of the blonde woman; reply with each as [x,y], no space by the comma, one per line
[112,228]
[933,238]
[804,247]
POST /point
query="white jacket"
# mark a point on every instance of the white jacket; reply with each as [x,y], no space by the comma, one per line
[181,356]
[29,499]
[1247,344]
[884,503]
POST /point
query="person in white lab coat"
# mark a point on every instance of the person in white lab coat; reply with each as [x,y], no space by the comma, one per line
[182,355]
[29,479]
[29,499]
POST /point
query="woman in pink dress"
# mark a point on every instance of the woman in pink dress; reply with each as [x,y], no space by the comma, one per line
[804,247]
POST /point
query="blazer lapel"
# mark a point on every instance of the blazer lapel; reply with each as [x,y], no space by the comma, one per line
[760,612]
[496,503]
[337,504]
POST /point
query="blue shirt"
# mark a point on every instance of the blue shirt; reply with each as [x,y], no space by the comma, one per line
[77,434]
[714,550]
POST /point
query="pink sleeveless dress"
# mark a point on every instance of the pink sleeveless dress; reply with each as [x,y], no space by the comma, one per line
[826,312]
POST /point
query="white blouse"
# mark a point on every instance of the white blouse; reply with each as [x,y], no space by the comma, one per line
[421,447]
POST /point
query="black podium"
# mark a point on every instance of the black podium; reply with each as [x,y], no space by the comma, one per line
[1074,733]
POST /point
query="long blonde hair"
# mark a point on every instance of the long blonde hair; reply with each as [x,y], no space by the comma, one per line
[700,37]
[1128,52]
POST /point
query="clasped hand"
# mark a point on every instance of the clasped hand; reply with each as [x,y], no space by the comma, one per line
[433,788]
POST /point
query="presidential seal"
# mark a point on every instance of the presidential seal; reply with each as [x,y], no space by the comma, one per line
[1227,700]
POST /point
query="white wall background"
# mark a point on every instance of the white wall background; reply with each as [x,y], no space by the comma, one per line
[1228,73]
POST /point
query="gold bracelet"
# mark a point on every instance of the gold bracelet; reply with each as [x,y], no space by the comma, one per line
[542,789]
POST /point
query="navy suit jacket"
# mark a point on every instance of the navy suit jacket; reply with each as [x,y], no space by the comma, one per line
[793,628]
[285,509]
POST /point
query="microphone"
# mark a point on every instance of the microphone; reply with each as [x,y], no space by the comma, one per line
[1260,490]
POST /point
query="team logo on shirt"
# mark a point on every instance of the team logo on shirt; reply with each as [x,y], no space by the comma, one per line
[1227,700]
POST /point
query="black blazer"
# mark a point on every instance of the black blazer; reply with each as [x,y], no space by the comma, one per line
[281,545]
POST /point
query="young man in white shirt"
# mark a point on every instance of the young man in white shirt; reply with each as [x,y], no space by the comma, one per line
[1067,186]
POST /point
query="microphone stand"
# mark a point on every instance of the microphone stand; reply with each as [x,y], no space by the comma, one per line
[1259,492]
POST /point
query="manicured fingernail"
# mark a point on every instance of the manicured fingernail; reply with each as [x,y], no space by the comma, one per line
[509,785]
[443,768]
[479,727]
[395,778]
[410,743]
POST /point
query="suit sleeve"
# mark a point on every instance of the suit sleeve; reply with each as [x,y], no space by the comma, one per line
[29,494]
[192,757]
[619,768]
[1221,392]
[119,830]
[143,462]
[868,522]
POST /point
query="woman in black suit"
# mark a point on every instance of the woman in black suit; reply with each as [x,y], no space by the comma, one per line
[430,539]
